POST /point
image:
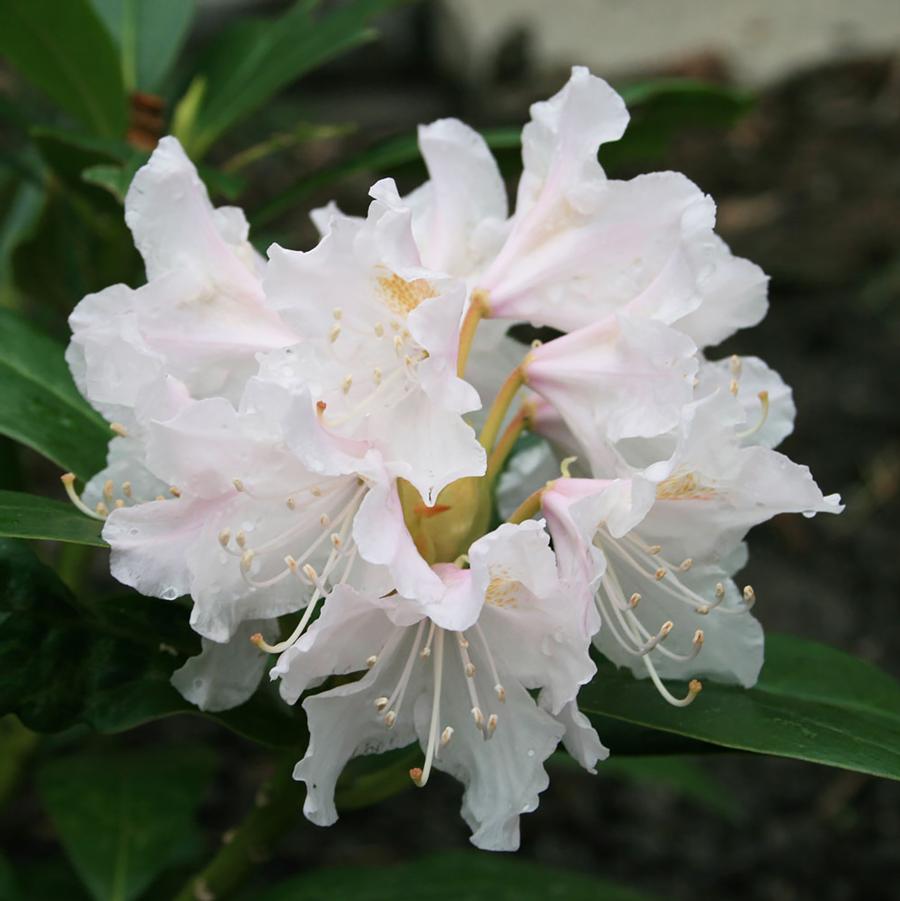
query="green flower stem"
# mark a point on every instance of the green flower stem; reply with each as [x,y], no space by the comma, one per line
[278,807]
[499,407]
[478,309]
[507,440]
[528,508]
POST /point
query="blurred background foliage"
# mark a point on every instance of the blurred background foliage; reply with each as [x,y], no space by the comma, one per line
[283,106]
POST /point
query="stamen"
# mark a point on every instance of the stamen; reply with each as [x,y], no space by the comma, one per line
[686,564]
[426,651]
[491,725]
[396,699]
[749,596]
[379,329]
[108,489]
[661,635]
[469,670]
[381,703]
[224,537]
[376,375]
[695,686]
[238,484]
[247,560]
[102,509]
[126,489]
[119,429]
[371,661]
[291,503]
[492,666]
[566,465]
[334,333]
[634,600]
[420,776]
[68,480]
[764,415]
[337,312]
[174,491]
[446,735]
[240,538]
[119,503]
[347,384]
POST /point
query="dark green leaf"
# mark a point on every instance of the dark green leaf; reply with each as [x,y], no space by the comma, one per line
[40,518]
[254,59]
[457,876]
[40,405]
[124,819]
[22,201]
[64,49]
[811,703]
[16,746]
[149,34]
[107,666]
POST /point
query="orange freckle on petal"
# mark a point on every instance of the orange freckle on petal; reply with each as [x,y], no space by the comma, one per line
[403,297]
[321,406]
[428,512]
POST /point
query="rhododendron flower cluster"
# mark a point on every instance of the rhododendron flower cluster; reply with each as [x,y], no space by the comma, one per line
[321,450]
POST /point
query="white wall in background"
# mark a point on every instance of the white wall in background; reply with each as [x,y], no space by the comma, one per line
[760,39]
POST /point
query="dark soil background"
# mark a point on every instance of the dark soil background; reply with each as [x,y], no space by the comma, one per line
[808,185]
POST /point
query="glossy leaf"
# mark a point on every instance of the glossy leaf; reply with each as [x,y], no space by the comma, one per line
[457,876]
[40,405]
[124,819]
[106,665]
[34,517]
[254,59]
[149,34]
[811,703]
[64,50]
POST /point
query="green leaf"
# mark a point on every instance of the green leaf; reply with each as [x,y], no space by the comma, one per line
[254,59]
[16,746]
[107,665]
[124,819]
[64,49]
[40,518]
[811,703]
[456,876]
[39,403]
[149,34]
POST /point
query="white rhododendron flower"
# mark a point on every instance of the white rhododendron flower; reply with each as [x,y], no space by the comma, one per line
[294,448]
[454,675]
